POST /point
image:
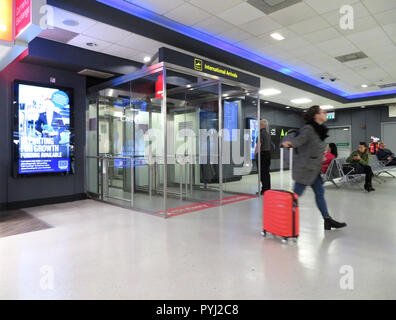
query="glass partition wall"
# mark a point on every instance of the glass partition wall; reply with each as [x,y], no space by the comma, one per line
[199,118]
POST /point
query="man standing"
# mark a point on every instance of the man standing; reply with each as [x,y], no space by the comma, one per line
[386,155]
[264,146]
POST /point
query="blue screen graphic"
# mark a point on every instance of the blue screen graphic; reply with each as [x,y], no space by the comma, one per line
[44,130]
[230,120]
[254,132]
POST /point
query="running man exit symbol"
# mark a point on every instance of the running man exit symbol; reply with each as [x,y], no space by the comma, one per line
[198,64]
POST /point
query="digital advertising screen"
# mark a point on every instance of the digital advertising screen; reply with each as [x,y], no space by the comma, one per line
[252,125]
[42,139]
[230,119]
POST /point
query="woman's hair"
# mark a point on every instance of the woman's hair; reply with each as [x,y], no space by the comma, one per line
[309,116]
[333,149]
[264,123]
[364,144]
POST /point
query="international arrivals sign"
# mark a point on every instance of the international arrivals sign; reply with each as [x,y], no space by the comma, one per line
[205,66]
[15,17]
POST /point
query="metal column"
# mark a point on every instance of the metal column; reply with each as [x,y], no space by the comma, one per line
[132,180]
[165,143]
[258,152]
[150,162]
[220,160]
[105,177]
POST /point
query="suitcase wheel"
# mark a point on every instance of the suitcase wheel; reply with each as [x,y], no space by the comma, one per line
[263,233]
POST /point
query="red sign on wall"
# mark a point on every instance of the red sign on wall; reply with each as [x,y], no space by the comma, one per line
[159,87]
[23,15]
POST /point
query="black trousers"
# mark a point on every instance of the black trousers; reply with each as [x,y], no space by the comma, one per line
[265,177]
[392,163]
[361,169]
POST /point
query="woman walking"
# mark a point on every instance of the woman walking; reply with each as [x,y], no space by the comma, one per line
[309,146]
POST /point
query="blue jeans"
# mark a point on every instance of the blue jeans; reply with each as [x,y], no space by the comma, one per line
[317,187]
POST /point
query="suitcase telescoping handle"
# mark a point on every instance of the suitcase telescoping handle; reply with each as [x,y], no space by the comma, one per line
[290,167]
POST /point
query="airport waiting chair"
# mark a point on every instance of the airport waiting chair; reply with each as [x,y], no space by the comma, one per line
[348,174]
[379,167]
[333,172]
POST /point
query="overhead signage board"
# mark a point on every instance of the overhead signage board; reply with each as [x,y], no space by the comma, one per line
[6,20]
[205,66]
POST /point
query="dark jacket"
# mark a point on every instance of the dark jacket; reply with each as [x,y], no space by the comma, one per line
[308,154]
[384,154]
[265,141]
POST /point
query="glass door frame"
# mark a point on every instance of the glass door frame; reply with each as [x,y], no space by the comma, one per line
[97,91]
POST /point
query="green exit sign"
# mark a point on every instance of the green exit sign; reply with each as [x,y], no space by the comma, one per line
[330,115]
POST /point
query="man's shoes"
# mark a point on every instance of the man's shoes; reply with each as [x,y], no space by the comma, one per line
[368,187]
[330,223]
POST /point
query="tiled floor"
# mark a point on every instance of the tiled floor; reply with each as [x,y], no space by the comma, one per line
[99,251]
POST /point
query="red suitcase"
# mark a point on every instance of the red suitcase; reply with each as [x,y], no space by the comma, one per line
[280,209]
[280,214]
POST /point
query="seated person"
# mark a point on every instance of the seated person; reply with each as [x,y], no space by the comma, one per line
[386,155]
[330,154]
[359,161]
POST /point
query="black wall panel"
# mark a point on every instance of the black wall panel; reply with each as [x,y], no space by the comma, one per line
[23,190]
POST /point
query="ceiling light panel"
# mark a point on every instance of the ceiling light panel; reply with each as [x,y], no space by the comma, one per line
[270,92]
[301,100]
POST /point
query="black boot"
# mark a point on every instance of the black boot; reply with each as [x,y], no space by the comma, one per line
[330,223]
[368,187]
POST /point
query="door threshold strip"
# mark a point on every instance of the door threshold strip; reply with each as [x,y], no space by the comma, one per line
[206,205]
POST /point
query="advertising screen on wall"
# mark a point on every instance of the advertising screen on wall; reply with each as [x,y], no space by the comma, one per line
[231,119]
[252,125]
[42,129]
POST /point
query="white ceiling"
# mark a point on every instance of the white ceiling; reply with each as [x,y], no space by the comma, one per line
[313,38]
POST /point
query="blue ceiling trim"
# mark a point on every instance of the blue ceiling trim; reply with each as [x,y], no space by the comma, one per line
[130,8]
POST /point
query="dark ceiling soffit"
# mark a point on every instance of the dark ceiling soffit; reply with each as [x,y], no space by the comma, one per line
[76,59]
[109,15]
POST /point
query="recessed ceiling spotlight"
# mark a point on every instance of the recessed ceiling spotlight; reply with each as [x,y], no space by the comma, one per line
[327,107]
[277,36]
[147,59]
[301,100]
[70,22]
[363,107]
[287,107]
[91,44]
[266,102]
[364,85]
[188,86]
[269,92]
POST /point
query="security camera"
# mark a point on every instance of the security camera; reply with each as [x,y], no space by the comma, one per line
[322,77]
[333,79]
